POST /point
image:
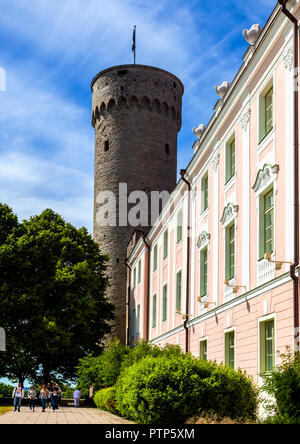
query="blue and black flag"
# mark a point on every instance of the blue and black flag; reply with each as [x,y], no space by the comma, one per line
[134,42]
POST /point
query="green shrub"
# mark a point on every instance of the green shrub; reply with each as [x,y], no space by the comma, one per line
[170,390]
[105,400]
[283,385]
[143,349]
[104,370]
[282,419]
[5,390]
[67,392]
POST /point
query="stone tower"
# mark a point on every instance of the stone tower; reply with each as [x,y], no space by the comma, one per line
[136,113]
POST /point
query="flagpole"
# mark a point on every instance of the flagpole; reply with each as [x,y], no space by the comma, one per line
[134,45]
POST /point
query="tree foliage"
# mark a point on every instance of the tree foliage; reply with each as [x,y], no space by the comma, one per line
[283,387]
[52,296]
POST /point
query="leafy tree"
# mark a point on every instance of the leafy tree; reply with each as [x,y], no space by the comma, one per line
[52,296]
[8,222]
[102,371]
[5,390]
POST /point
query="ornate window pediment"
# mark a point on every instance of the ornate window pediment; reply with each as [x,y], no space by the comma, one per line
[203,239]
[265,176]
[230,212]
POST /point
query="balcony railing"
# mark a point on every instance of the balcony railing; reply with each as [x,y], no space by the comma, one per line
[265,271]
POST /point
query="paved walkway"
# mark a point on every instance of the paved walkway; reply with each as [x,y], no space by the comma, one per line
[65,415]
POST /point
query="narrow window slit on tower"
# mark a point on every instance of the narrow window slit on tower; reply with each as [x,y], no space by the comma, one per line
[167,148]
[106,145]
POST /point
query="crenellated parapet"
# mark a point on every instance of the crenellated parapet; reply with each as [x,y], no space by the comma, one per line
[137,88]
[135,104]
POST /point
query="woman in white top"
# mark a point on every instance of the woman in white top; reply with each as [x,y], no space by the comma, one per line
[32,397]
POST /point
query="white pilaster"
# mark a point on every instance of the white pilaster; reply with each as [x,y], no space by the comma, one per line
[214,273]
[245,121]
[289,156]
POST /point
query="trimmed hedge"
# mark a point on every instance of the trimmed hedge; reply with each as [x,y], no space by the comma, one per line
[170,390]
[105,400]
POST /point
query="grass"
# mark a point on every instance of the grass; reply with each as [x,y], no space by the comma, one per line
[5,409]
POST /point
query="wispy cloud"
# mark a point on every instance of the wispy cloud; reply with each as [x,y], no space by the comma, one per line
[52,48]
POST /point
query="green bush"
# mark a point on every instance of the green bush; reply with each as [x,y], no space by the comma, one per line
[67,392]
[283,385]
[105,400]
[169,390]
[5,390]
[104,370]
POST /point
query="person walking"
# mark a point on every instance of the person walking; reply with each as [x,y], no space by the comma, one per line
[56,395]
[49,386]
[76,397]
[44,397]
[53,397]
[59,396]
[18,395]
[32,398]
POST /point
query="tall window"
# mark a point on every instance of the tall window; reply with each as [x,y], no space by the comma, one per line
[134,278]
[203,272]
[178,291]
[154,311]
[138,319]
[165,302]
[266,119]
[155,258]
[204,193]
[230,349]
[268,221]
[267,346]
[203,350]
[230,252]
[139,271]
[269,111]
[230,160]
[179,226]
[165,244]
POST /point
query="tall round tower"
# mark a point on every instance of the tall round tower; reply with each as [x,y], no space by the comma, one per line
[136,113]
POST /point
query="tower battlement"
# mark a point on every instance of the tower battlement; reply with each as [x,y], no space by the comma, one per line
[135,104]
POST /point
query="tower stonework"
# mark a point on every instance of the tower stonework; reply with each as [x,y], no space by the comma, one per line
[136,113]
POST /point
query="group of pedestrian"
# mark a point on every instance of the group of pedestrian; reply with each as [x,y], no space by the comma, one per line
[50,396]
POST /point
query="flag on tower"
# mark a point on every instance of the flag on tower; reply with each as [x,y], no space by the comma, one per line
[134,42]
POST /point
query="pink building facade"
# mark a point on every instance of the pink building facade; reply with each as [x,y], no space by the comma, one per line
[213,274]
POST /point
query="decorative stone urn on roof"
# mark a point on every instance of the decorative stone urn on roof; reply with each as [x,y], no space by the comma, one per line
[252,34]
[199,131]
[222,89]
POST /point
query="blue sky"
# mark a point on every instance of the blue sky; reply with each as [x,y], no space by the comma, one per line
[51,50]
